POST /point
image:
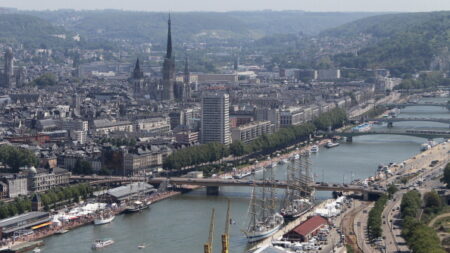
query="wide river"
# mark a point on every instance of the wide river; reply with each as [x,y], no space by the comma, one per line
[181,224]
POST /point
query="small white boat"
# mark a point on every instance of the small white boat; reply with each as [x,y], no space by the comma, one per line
[142,246]
[314,149]
[331,144]
[36,250]
[62,231]
[98,244]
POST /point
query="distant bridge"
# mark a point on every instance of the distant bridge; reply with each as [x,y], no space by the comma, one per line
[439,120]
[408,132]
[213,184]
[401,105]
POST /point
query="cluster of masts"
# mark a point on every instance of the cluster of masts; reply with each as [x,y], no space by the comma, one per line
[265,218]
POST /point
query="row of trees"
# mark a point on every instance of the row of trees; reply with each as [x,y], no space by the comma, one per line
[196,155]
[419,237]
[119,141]
[49,199]
[374,220]
[425,80]
[334,119]
[18,206]
[264,144]
[69,194]
[16,157]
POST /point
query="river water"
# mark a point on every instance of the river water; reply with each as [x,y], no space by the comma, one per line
[181,224]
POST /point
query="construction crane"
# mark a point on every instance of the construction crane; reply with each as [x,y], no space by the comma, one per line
[225,237]
[208,246]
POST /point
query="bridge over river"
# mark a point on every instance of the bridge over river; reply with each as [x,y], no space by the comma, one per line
[402,105]
[391,120]
[422,133]
[212,184]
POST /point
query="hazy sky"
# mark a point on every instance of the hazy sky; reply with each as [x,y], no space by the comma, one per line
[227,5]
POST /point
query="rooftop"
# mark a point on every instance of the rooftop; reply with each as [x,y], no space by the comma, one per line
[21,218]
[133,188]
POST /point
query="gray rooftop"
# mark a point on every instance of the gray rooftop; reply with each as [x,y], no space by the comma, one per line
[20,218]
[130,189]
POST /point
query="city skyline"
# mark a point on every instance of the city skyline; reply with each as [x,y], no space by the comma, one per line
[234,5]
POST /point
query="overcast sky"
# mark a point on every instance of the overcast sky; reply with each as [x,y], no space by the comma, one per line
[227,5]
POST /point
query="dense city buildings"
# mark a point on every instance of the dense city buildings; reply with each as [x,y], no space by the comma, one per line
[104,112]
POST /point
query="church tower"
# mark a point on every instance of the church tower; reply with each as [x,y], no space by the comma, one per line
[168,70]
[137,79]
[186,81]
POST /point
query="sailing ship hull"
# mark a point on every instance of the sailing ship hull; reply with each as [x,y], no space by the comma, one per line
[103,221]
[293,216]
[135,209]
[258,236]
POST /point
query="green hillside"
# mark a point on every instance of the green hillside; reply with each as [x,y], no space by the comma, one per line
[403,43]
[187,26]
[31,31]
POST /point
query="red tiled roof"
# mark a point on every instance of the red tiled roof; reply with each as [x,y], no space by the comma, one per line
[310,225]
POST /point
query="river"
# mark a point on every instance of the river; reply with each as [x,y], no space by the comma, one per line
[181,224]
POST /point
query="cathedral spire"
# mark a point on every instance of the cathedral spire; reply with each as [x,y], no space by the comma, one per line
[137,73]
[186,76]
[169,39]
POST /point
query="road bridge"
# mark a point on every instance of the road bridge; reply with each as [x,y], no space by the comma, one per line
[438,120]
[213,184]
[401,105]
[422,133]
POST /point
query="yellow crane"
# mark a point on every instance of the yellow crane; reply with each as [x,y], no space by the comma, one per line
[225,236]
[208,246]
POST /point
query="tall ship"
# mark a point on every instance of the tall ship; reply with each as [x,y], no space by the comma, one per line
[297,198]
[104,218]
[264,219]
[137,206]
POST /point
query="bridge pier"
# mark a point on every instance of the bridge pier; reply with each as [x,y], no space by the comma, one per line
[365,196]
[390,124]
[212,190]
[349,138]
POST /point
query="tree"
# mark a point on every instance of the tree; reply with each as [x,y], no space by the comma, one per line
[47,79]
[446,178]
[82,167]
[432,201]
[237,148]
[16,157]
[392,189]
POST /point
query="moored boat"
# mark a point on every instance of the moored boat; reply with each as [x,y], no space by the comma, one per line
[265,229]
[104,219]
[137,206]
[331,144]
[314,149]
[297,208]
[264,220]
